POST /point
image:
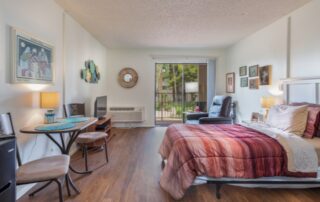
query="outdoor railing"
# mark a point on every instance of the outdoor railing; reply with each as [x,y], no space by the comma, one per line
[170,106]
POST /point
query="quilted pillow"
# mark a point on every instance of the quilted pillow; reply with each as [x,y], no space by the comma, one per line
[291,119]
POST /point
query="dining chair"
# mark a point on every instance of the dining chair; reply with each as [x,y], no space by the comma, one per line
[86,139]
[48,169]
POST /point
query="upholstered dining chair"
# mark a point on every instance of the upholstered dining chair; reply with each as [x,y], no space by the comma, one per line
[86,138]
[48,169]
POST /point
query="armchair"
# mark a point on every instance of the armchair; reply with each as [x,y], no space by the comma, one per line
[222,111]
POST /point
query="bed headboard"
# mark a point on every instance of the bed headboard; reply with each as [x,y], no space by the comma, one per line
[301,90]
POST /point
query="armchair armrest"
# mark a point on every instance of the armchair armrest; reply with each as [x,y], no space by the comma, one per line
[215,120]
[195,115]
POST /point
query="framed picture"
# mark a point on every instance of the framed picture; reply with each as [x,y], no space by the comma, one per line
[243,71]
[244,82]
[254,117]
[32,59]
[254,71]
[230,81]
[254,83]
[265,75]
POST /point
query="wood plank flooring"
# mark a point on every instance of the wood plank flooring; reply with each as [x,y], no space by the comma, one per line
[133,172]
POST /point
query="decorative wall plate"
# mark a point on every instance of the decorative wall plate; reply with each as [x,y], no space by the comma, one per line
[128,77]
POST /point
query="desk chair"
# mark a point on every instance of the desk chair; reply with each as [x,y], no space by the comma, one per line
[87,138]
[48,169]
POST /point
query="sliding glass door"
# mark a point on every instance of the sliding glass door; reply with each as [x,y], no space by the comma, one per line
[179,88]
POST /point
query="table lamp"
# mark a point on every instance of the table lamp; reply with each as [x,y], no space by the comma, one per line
[50,101]
[266,104]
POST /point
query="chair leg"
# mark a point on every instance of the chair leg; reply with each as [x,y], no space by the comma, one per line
[82,149]
[67,185]
[106,149]
[40,188]
[85,147]
[60,190]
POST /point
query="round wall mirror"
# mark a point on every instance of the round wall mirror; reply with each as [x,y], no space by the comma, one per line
[128,77]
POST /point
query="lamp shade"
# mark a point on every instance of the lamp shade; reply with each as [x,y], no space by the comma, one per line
[267,102]
[49,100]
[192,87]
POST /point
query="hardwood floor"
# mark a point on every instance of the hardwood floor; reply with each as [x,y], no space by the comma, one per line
[133,173]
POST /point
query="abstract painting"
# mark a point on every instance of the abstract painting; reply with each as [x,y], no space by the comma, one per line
[32,59]
[90,73]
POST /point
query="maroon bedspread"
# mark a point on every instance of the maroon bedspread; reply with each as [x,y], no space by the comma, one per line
[217,151]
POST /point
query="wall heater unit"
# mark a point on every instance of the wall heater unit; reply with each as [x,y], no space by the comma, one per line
[127,114]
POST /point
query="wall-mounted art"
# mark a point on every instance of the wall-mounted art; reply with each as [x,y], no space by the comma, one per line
[32,59]
[243,71]
[265,75]
[128,77]
[230,81]
[90,73]
[254,71]
[254,83]
[244,82]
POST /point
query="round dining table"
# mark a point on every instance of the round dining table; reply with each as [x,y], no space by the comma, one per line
[64,146]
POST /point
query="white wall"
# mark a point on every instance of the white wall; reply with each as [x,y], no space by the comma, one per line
[79,47]
[269,47]
[144,92]
[44,20]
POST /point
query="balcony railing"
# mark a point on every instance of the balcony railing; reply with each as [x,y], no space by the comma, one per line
[170,106]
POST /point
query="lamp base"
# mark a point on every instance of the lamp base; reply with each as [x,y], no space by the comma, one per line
[49,117]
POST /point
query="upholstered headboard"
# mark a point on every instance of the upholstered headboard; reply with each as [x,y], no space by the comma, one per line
[301,90]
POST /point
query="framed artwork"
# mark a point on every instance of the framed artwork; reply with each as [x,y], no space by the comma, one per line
[32,59]
[230,81]
[265,75]
[254,71]
[254,117]
[243,71]
[254,83]
[244,82]
[90,73]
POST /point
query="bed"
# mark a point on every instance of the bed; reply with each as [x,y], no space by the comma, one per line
[239,154]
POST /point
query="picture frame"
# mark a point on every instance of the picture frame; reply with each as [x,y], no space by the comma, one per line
[32,59]
[243,71]
[244,82]
[254,71]
[265,75]
[254,117]
[230,82]
[254,83]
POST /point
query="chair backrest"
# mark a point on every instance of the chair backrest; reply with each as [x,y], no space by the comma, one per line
[74,110]
[221,106]
[6,128]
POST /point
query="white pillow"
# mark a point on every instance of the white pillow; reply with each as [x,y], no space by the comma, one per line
[292,119]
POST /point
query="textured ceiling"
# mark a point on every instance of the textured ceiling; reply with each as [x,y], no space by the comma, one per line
[175,23]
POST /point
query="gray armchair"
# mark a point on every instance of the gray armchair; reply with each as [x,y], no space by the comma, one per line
[222,111]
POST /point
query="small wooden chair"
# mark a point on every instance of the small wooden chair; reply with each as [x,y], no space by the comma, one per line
[87,138]
[48,169]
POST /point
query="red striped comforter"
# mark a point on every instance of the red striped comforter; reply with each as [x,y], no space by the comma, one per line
[217,151]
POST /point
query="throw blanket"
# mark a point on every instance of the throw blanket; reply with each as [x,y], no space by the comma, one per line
[219,151]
